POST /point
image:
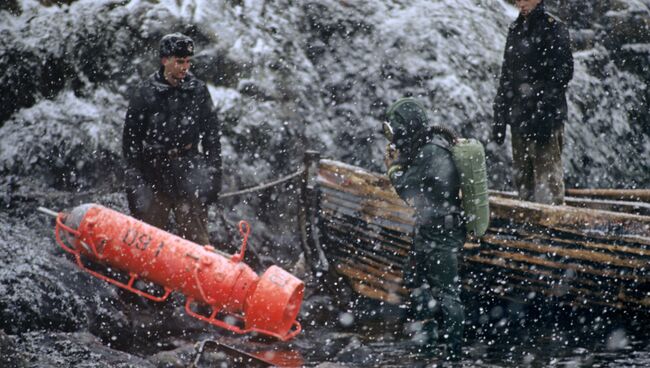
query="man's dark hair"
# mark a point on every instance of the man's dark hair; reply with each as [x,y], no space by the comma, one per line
[176,44]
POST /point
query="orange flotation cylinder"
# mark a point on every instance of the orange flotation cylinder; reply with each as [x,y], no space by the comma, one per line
[268,304]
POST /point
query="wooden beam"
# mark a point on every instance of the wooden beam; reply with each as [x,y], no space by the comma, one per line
[577,220]
[366,213]
[567,253]
[638,195]
[358,181]
[623,249]
[374,293]
[633,207]
[342,237]
[370,279]
[377,239]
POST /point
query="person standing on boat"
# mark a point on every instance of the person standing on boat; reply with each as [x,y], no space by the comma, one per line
[537,67]
[423,173]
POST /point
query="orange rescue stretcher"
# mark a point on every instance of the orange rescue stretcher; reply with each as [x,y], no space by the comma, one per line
[267,305]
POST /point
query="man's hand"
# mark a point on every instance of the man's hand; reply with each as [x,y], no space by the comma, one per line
[499,133]
[133,178]
[215,188]
[390,156]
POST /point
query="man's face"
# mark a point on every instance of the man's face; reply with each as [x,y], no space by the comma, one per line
[526,6]
[176,67]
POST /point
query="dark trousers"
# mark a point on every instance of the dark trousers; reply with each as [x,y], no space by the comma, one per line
[539,176]
[154,208]
[432,276]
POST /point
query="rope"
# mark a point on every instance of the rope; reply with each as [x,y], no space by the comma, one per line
[263,186]
[223,195]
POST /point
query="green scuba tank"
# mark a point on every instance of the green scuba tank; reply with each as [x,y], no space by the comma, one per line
[469,157]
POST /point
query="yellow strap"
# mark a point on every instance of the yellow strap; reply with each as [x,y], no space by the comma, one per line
[394,168]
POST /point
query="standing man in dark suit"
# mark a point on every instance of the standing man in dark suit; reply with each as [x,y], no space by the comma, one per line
[171,145]
[537,67]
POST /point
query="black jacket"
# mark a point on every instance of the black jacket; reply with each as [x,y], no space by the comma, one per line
[171,137]
[537,66]
[429,182]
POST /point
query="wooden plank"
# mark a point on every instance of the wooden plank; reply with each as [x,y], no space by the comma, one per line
[379,289]
[385,273]
[389,235]
[401,210]
[584,255]
[377,216]
[616,296]
[613,288]
[387,244]
[342,237]
[611,274]
[378,221]
[580,220]
[637,208]
[370,279]
[634,241]
[372,288]
[358,181]
[639,195]
[569,254]
[374,293]
[341,245]
[628,250]
[393,272]
[373,275]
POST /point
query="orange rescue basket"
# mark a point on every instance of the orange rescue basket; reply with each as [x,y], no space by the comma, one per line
[267,305]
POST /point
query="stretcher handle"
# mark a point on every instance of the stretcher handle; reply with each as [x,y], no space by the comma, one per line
[295,329]
[244,230]
[200,286]
[128,286]
[92,248]
[57,233]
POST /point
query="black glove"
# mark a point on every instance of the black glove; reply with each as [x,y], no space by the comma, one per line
[132,179]
[499,133]
[215,185]
[199,180]
[139,195]
[499,127]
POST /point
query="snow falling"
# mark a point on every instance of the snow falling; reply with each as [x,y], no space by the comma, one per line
[288,77]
